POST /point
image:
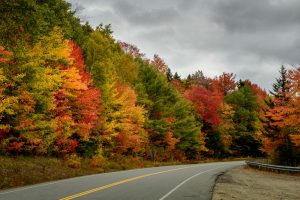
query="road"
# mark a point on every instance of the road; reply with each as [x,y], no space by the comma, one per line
[178,182]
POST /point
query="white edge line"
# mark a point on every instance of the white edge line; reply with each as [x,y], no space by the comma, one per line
[186,180]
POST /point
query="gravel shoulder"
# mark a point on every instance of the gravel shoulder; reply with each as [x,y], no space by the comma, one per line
[247,183]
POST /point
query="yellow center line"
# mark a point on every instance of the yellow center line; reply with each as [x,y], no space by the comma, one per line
[117,183]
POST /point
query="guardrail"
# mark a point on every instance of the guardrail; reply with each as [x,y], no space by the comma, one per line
[278,168]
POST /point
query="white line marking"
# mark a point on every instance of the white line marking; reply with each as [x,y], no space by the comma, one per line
[186,180]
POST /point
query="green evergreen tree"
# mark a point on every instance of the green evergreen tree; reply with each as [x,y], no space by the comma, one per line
[246,121]
[169,75]
[166,104]
[281,89]
[176,77]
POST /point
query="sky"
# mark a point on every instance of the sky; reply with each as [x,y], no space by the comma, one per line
[250,38]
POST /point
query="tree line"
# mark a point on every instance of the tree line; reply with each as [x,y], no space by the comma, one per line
[70,89]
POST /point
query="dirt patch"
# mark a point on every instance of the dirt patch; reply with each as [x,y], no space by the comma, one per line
[248,183]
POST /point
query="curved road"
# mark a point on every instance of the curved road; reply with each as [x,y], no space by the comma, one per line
[159,183]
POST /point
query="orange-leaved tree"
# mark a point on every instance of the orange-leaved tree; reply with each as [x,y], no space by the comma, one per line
[281,118]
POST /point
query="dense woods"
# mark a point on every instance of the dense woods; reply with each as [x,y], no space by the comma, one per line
[71,90]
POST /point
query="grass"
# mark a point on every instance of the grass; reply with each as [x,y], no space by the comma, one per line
[21,171]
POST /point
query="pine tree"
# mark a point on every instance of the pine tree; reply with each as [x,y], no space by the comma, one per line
[246,121]
[281,89]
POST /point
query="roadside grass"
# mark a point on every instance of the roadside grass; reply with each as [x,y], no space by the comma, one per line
[20,171]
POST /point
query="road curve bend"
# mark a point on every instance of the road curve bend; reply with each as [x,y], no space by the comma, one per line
[178,182]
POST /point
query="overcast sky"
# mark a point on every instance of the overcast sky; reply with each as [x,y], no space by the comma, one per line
[251,38]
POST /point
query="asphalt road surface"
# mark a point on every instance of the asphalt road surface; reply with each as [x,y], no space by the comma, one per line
[178,182]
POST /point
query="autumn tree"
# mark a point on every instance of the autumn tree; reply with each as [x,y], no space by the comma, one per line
[226,83]
[294,76]
[225,130]
[48,82]
[159,64]
[199,79]
[282,118]
[114,71]
[131,49]
[77,105]
[7,101]
[206,103]
[33,80]
[131,136]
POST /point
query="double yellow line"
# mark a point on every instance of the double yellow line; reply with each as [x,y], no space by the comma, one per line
[118,183]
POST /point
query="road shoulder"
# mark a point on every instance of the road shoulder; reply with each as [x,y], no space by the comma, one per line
[247,183]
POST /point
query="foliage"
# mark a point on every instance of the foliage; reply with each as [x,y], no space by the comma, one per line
[282,119]
[27,20]
[207,104]
[45,88]
[70,90]
[226,83]
[281,89]
[245,141]
[169,115]
[159,64]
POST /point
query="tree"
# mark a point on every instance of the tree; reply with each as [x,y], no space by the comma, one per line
[226,128]
[33,79]
[206,103]
[170,116]
[7,102]
[281,89]
[199,79]
[122,121]
[26,20]
[83,101]
[127,69]
[176,77]
[131,49]
[169,74]
[281,119]
[159,64]
[102,57]
[245,140]
[46,84]
[226,83]
[294,77]
[260,94]
[279,126]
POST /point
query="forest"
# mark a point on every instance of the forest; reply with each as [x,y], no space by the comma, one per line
[71,90]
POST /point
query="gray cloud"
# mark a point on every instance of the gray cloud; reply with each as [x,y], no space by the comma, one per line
[257,15]
[140,15]
[249,38]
